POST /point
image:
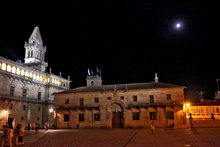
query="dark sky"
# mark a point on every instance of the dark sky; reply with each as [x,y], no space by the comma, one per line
[130,41]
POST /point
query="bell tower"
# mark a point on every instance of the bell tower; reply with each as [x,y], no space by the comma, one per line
[94,80]
[35,51]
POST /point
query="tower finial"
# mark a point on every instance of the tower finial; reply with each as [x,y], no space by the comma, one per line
[50,70]
[60,74]
[156,79]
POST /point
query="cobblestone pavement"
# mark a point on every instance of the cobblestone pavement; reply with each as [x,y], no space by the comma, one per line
[200,137]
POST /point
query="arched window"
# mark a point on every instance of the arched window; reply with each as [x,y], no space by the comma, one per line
[18,72]
[22,72]
[26,74]
[3,66]
[38,78]
[13,70]
[9,68]
[30,75]
[34,76]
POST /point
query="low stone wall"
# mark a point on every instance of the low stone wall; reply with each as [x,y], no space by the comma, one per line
[205,123]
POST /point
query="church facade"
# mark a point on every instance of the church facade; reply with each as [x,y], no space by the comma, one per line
[120,105]
[26,88]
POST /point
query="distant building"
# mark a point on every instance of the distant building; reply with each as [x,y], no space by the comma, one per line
[26,88]
[120,105]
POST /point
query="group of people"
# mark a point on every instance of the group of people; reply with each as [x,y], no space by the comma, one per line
[9,132]
[152,126]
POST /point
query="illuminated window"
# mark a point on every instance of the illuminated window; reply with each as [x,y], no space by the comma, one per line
[26,74]
[22,72]
[9,68]
[207,109]
[136,116]
[38,78]
[18,72]
[213,109]
[34,76]
[30,75]
[0,65]
[53,81]
[48,80]
[13,70]
[3,66]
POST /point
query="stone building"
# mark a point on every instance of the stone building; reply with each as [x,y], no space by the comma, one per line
[120,105]
[26,88]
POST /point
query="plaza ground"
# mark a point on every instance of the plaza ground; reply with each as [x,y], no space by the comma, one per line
[198,137]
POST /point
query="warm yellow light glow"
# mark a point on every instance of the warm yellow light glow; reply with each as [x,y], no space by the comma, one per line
[53,81]
[34,76]
[48,80]
[0,65]
[18,72]
[9,68]
[22,72]
[30,75]
[38,78]
[3,66]
[5,112]
[26,74]
[13,70]
[187,104]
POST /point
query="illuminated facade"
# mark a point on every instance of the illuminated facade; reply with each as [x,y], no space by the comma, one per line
[120,106]
[26,88]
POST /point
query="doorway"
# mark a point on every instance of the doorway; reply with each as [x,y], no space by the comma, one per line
[117,120]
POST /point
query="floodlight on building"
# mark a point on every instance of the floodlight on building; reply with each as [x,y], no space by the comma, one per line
[51,110]
[187,104]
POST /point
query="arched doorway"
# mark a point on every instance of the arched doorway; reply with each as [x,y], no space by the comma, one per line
[117,115]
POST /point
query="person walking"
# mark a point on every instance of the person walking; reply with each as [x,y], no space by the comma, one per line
[10,132]
[20,135]
[152,127]
[16,132]
[4,136]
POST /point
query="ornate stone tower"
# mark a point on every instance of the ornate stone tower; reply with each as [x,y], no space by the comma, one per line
[35,51]
[94,80]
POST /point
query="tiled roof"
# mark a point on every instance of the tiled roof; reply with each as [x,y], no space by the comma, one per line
[134,86]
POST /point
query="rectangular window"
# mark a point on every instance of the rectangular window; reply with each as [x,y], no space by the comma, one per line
[22,118]
[81,101]
[170,115]
[109,98]
[24,94]
[96,100]
[39,108]
[168,96]
[217,110]
[38,118]
[11,106]
[66,117]
[135,98]
[66,101]
[12,90]
[136,116]
[153,116]
[122,97]
[24,107]
[39,95]
[97,117]
[151,99]
[81,117]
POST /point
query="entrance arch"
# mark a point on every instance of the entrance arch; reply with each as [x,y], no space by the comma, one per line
[116,111]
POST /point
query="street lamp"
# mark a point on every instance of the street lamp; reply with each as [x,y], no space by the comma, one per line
[51,110]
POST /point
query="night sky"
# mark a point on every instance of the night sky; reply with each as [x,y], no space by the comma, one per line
[129,41]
